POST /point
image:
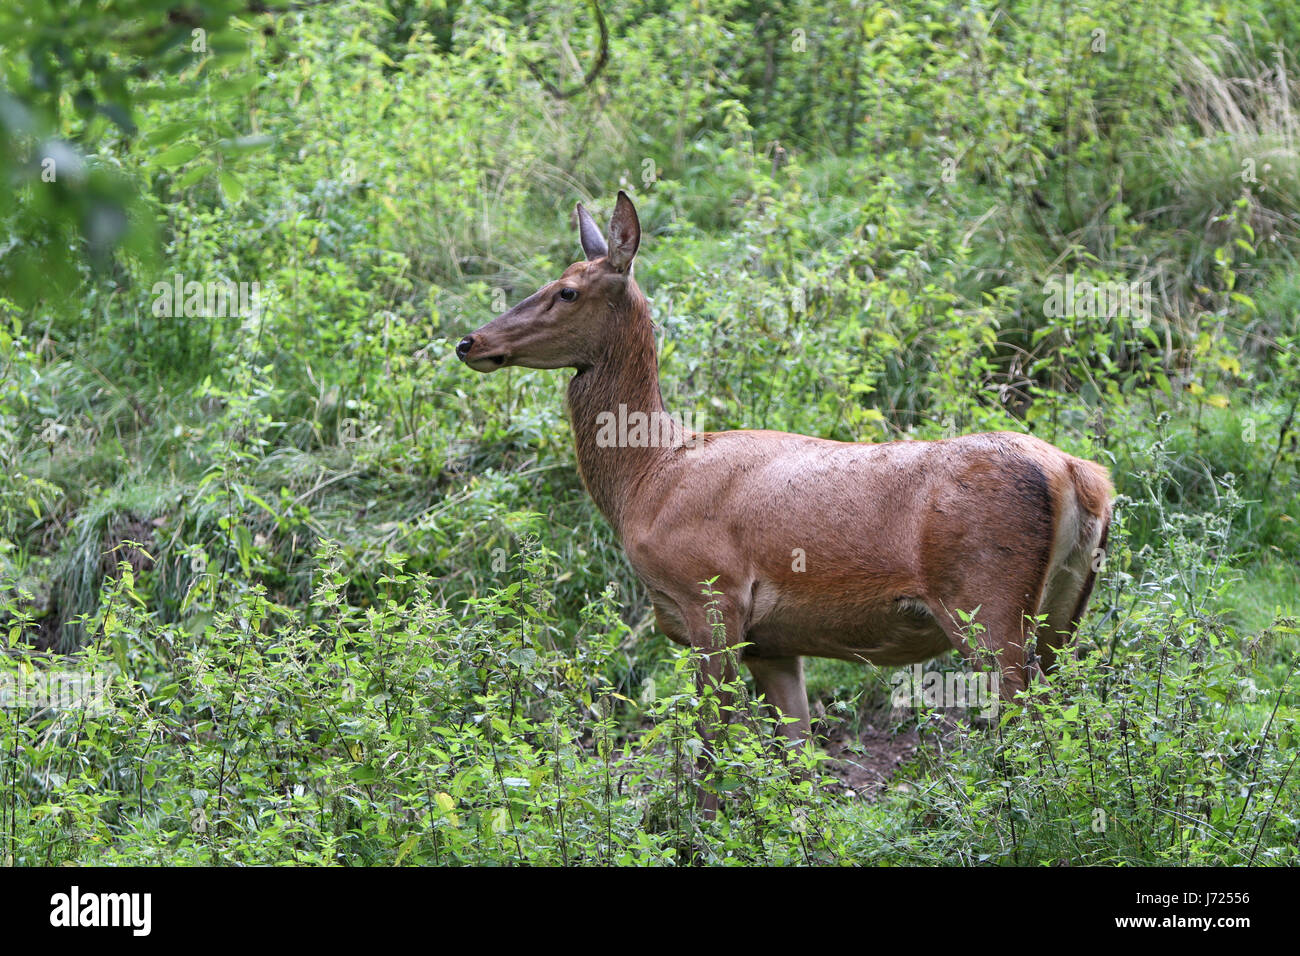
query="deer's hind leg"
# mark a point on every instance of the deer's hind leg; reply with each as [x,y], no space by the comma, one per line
[997,635]
[1003,600]
[1004,578]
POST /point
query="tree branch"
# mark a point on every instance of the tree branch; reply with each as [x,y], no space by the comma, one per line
[602,59]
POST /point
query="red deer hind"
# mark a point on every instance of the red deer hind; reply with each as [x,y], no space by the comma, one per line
[862,552]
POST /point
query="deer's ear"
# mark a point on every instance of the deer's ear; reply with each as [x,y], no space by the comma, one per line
[593,243]
[624,234]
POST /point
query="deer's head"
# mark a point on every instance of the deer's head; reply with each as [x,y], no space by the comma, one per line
[571,322]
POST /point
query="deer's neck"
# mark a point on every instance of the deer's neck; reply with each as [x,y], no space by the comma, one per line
[620,426]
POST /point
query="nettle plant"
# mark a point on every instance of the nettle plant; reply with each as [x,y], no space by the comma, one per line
[398,732]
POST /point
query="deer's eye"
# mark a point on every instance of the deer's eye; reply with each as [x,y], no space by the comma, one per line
[568,295]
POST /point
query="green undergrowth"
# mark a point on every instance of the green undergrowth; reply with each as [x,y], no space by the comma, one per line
[356,606]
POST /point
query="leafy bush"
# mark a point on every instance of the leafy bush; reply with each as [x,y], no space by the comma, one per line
[358,609]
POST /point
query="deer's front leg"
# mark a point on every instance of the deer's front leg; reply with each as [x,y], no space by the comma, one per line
[714,634]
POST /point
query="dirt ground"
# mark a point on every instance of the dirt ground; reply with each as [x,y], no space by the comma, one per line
[864,762]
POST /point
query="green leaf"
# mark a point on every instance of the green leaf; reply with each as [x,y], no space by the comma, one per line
[407,845]
[165,133]
[245,144]
[194,174]
[231,186]
[177,155]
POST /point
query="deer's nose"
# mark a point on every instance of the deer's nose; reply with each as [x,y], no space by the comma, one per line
[463,348]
